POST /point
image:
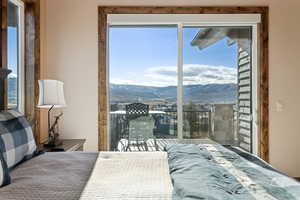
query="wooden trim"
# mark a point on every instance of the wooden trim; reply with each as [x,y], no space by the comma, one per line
[264,86]
[29,60]
[37,68]
[182,10]
[32,63]
[263,57]
[102,84]
[32,58]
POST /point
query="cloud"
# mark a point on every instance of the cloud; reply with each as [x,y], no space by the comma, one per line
[193,74]
[12,75]
[144,82]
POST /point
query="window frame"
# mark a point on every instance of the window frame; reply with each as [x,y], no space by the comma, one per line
[263,60]
[192,20]
[21,55]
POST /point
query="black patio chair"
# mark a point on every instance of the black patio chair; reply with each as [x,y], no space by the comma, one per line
[137,116]
[136,110]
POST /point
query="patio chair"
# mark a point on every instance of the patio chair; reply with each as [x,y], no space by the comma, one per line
[140,125]
[136,110]
[140,131]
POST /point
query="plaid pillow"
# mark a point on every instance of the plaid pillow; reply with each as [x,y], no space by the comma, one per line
[16,138]
[4,173]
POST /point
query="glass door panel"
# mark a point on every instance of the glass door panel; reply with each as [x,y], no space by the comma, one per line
[143,70]
[215,72]
[13,46]
[217,84]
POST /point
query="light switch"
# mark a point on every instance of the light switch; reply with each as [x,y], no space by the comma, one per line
[279,106]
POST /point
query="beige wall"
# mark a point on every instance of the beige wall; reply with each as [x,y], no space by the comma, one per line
[71,56]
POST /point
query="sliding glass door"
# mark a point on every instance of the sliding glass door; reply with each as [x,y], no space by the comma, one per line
[195,80]
[143,70]
[217,84]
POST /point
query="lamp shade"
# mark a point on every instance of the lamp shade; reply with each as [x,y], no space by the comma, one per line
[51,93]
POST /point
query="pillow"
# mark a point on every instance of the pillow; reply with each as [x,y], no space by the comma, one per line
[16,138]
[4,173]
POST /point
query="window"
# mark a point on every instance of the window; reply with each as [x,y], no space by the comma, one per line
[15,55]
[198,77]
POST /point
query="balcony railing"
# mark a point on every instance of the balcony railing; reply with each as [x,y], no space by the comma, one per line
[196,125]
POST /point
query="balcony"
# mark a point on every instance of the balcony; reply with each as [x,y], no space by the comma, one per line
[214,124]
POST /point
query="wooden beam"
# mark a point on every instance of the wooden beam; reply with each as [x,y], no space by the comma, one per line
[263,57]
[32,64]
[264,85]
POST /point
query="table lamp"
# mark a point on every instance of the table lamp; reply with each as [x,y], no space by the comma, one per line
[51,96]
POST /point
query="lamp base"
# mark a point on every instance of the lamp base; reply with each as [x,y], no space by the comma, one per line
[52,143]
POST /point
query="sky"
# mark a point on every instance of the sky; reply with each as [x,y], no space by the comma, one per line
[12,51]
[148,56]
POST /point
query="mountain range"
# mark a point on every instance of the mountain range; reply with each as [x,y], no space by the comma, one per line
[203,94]
[12,90]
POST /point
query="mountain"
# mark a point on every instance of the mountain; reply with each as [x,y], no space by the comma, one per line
[204,94]
[12,89]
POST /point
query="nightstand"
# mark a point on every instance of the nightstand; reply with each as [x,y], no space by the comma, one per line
[68,145]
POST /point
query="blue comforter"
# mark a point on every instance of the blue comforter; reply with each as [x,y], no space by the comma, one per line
[213,172]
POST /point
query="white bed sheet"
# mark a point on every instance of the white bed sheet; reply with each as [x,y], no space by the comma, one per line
[129,176]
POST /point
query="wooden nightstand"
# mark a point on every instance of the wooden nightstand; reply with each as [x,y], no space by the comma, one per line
[67,145]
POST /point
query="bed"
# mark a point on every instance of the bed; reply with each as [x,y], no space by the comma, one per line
[182,172]
[49,176]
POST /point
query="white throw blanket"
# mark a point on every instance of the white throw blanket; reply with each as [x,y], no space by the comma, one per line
[129,175]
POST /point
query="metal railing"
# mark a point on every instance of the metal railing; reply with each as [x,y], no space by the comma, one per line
[197,124]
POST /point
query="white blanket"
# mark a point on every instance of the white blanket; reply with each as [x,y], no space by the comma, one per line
[129,175]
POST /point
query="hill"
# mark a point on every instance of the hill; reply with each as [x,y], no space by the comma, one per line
[205,94]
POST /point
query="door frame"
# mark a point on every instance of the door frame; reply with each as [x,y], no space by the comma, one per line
[262,74]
